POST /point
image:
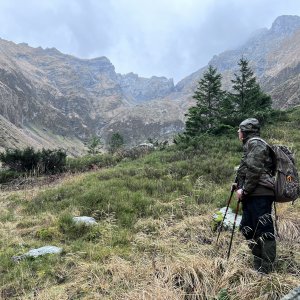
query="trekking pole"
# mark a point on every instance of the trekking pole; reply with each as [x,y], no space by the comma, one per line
[233,228]
[221,225]
[228,203]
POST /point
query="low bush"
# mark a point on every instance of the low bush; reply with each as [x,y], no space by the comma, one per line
[8,175]
[70,228]
[91,162]
[47,234]
[28,160]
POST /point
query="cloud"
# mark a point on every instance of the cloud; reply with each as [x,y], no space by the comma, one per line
[158,37]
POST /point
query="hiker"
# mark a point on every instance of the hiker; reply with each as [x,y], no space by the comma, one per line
[255,189]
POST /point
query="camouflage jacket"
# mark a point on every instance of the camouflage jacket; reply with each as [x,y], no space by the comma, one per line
[254,173]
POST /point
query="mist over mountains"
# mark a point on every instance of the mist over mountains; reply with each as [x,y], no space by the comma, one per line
[51,99]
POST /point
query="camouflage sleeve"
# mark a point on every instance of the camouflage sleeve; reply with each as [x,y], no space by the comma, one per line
[240,175]
[255,164]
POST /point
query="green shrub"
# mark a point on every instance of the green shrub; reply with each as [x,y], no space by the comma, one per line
[8,175]
[90,162]
[20,160]
[47,234]
[52,161]
[28,160]
[71,229]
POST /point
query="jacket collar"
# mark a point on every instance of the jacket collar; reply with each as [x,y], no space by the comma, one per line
[249,135]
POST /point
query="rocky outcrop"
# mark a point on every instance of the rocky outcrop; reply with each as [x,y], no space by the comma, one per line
[142,89]
[285,26]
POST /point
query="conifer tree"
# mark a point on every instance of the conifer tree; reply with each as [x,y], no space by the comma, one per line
[94,145]
[247,97]
[116,142]
[204,117]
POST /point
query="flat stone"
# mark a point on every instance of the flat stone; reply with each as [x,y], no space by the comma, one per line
[38,252]
[43,250]
[85,220]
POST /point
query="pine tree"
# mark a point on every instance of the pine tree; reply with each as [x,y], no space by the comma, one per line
[205,116]
[94,145]
[247,97]
[116,142]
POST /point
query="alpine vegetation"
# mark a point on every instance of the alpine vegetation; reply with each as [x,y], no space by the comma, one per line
[153,235]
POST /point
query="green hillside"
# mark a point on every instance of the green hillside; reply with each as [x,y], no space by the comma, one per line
[154,237]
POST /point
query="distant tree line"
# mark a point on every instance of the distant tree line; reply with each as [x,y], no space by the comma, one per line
[217,110]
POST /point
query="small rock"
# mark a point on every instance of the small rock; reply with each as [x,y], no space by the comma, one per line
[146,145]
[293,295]
[85,220]
[18,258]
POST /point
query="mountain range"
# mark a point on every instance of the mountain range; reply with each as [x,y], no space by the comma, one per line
[50,99]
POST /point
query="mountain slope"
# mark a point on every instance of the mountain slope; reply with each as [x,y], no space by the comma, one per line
[65,94]
[274,55]
[12,136]
[80,98]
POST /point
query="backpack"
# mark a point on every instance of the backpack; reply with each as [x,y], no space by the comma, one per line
[285,174]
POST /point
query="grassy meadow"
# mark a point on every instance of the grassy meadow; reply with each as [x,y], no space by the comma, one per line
[153,238]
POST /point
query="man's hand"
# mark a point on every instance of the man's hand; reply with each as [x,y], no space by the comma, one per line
[240,194]
[234,187]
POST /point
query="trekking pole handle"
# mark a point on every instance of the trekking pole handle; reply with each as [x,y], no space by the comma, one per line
[234,186]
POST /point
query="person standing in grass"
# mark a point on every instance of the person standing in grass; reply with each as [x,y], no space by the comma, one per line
[255,189]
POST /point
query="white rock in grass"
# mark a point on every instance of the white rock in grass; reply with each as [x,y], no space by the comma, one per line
[293,295]
[38,252]
[85,220]
[43,250]
[229,219]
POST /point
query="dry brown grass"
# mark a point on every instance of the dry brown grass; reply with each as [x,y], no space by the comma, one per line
[289,221]
[168,259]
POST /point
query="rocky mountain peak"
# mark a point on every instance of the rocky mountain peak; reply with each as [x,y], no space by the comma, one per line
[142,89]
[285,25]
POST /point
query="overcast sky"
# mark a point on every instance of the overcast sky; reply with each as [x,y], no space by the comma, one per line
[171,38]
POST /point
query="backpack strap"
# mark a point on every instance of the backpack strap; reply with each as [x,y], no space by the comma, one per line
[258,139]
[276,220]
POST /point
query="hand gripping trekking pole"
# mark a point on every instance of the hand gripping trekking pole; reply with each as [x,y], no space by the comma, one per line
[233,188]
[233,228]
